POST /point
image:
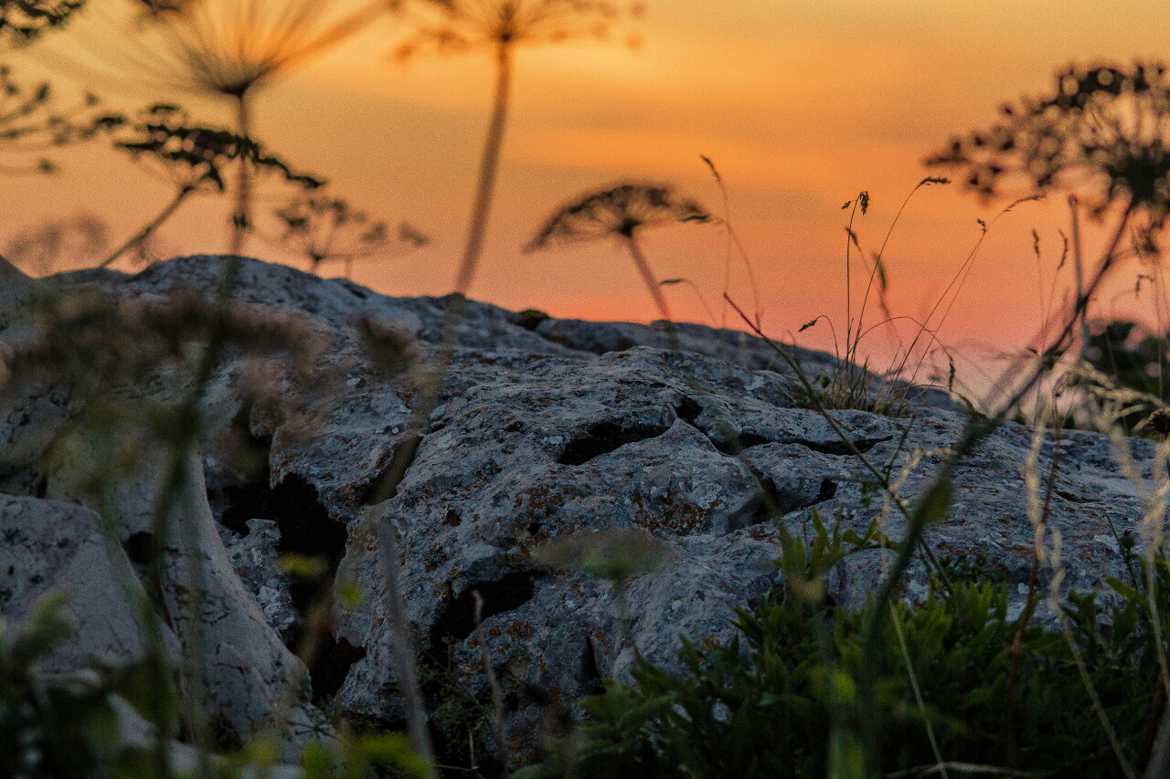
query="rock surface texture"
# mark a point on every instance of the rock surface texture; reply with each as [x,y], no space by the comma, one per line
[545,429]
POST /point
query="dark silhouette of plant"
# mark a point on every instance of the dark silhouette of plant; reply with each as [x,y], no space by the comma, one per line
[32,123]
[23,21]
[621,212]
[1102,133]
[323,229]
[192,158]
[458,26]
[232,49]
[1130,360]
[28,119]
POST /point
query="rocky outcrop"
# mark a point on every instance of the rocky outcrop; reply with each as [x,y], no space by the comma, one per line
[545,430]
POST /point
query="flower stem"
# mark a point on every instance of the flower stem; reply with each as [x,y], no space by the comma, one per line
[143,235]
[648,277]
[488,170]
[242,216]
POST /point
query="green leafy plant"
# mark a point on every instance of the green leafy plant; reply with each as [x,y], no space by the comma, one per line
[783,699]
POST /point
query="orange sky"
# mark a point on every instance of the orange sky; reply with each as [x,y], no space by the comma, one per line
[800,103]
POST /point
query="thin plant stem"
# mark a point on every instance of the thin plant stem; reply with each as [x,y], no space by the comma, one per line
[242,216]
[1016,649]
[488,170]
[698,294]
[403,653]
[851,353]
[1079,269]
[848,276]
[732,240]
[144,235]
[747,263]
[497,691]
[1094,698]
[940,764]
[648,277]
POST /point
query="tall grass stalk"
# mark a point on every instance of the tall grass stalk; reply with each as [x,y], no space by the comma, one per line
[878,270]
[1057,607]
[733,240]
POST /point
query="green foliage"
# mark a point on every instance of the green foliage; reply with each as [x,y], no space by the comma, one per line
[783,700]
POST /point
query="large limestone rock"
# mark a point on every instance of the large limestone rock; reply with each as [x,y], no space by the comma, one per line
[549,429]
[59,549]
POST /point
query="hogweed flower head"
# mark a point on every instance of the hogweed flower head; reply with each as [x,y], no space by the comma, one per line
[193,155]
[620,211]
[322,227]
[455,26]
[1102,132]
[23,21]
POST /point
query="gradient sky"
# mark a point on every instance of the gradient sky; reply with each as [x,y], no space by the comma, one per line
[800,103]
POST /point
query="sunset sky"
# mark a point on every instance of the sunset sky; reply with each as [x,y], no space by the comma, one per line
[800,103]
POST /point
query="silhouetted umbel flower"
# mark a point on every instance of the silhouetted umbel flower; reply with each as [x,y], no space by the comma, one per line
[323,229]
[23,21]
[232,49]
[192,158]
[31,122]
[1103,132]
[621,212]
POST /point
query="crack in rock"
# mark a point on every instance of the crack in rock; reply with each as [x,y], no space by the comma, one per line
[604,437]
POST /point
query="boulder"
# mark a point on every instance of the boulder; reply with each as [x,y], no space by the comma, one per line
[546,430]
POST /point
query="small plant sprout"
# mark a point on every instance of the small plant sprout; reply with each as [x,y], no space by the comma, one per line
[458,26]
[192,158]
[1102,133]
[323,229]
[621,212]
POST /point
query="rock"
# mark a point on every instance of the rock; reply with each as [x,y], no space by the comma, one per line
[249,678]
[51,547]
[546,429]
[134,732]
[254,557]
